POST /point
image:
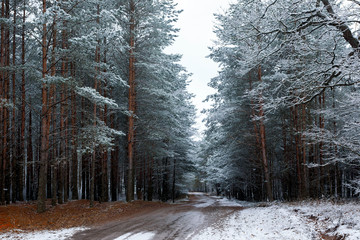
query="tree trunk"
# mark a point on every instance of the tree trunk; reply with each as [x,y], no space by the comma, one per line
[74,185]
[104,174]
[174,181]
[2,65]
[93,160]
[139,180]
[304,163]
[131,99]
[23,94]
[150,189]
[29,160]
[54,184]
[342,27]
[52,117]
[165,183]
[63,146]
[297,151]
[6,112]
[263,145]
[321,153]
[17,182]
[44,126]
[114,170]
[287,174]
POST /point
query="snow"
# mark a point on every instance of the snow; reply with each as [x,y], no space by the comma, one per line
[66,234]
[196,193]
[224,202]
[335,219]
[205,204]
[296,221]
[259,223]
[41,235]
[265,221]
[137,236]
[221,202]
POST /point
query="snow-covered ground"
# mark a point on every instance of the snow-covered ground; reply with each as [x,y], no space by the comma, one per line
[41,235]
[137,236]
[340,219]
[280,221]
[300,221]
[222,202]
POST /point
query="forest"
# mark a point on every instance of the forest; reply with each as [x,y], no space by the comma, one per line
[92,106]
[284,123]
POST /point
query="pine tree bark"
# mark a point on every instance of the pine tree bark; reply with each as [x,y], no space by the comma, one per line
[150,189]
[41,207]
[75,194]
[337,173]
[2,65]
[23,94]
[2,109]
[93,159]
[174,181]
[165,181]
[104,175]
[304,156]
[6,113]
[321,153]
[287,174]
[253,115]
[263,144]
[63,145]
[52,118]
[114,170]
[54,184]
[297,151]
[29,160]
[17,182]
[131,99]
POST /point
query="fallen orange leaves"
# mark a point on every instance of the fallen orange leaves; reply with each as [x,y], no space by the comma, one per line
[23,215]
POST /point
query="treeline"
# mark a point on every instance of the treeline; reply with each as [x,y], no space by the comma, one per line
[91,105]
[284,121]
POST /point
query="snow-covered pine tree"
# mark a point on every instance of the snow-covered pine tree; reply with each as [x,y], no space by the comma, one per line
[153,77]
[306,50]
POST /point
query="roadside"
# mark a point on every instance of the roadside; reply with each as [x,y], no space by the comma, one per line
[23,216]
[200,217]
[306,220]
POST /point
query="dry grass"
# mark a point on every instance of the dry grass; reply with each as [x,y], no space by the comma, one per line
[71,214]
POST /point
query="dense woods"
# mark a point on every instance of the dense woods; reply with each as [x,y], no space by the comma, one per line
[284,123]
[91,105]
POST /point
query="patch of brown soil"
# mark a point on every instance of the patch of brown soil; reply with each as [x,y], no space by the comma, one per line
[71,214]
[324,236]
[327,234]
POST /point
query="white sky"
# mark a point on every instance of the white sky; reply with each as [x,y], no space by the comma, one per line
[196,25]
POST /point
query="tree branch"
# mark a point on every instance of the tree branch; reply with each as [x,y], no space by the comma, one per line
[341,25]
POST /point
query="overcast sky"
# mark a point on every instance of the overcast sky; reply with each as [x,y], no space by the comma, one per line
[196,25]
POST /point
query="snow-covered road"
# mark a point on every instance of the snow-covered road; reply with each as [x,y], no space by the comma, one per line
[181,221]
[205,217]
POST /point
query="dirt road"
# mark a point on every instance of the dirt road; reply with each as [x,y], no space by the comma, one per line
[179,221]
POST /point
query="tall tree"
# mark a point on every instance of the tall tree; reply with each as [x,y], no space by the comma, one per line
[44,122]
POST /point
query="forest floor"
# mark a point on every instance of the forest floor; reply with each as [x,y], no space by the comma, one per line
[22,217]
[199,217]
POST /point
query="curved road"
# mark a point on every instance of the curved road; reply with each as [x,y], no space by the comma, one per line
[180,221]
